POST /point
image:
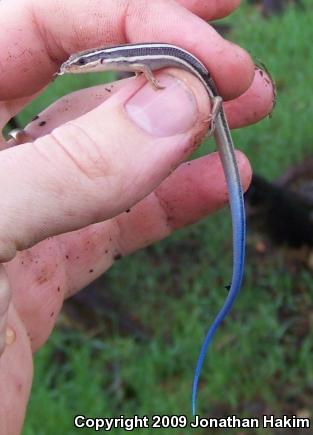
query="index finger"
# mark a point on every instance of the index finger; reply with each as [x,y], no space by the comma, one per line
[38,36]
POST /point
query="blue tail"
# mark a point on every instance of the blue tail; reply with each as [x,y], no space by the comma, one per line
[239,231]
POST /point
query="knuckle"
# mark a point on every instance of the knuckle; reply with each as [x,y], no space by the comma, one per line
[83,150]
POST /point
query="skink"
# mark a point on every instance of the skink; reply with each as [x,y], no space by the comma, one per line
[145,58]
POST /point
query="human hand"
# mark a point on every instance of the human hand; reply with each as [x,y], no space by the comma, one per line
[99,154]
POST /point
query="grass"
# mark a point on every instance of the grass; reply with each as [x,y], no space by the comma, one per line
[261,360]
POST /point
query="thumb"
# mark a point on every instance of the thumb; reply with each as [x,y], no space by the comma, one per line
[99,164]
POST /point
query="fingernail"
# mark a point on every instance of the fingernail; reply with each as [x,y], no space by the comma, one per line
[163,112]
[19,136]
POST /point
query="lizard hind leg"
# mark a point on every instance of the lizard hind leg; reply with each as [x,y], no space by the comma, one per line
[216,107]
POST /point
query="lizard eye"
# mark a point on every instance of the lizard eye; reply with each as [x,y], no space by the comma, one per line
[81,61]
